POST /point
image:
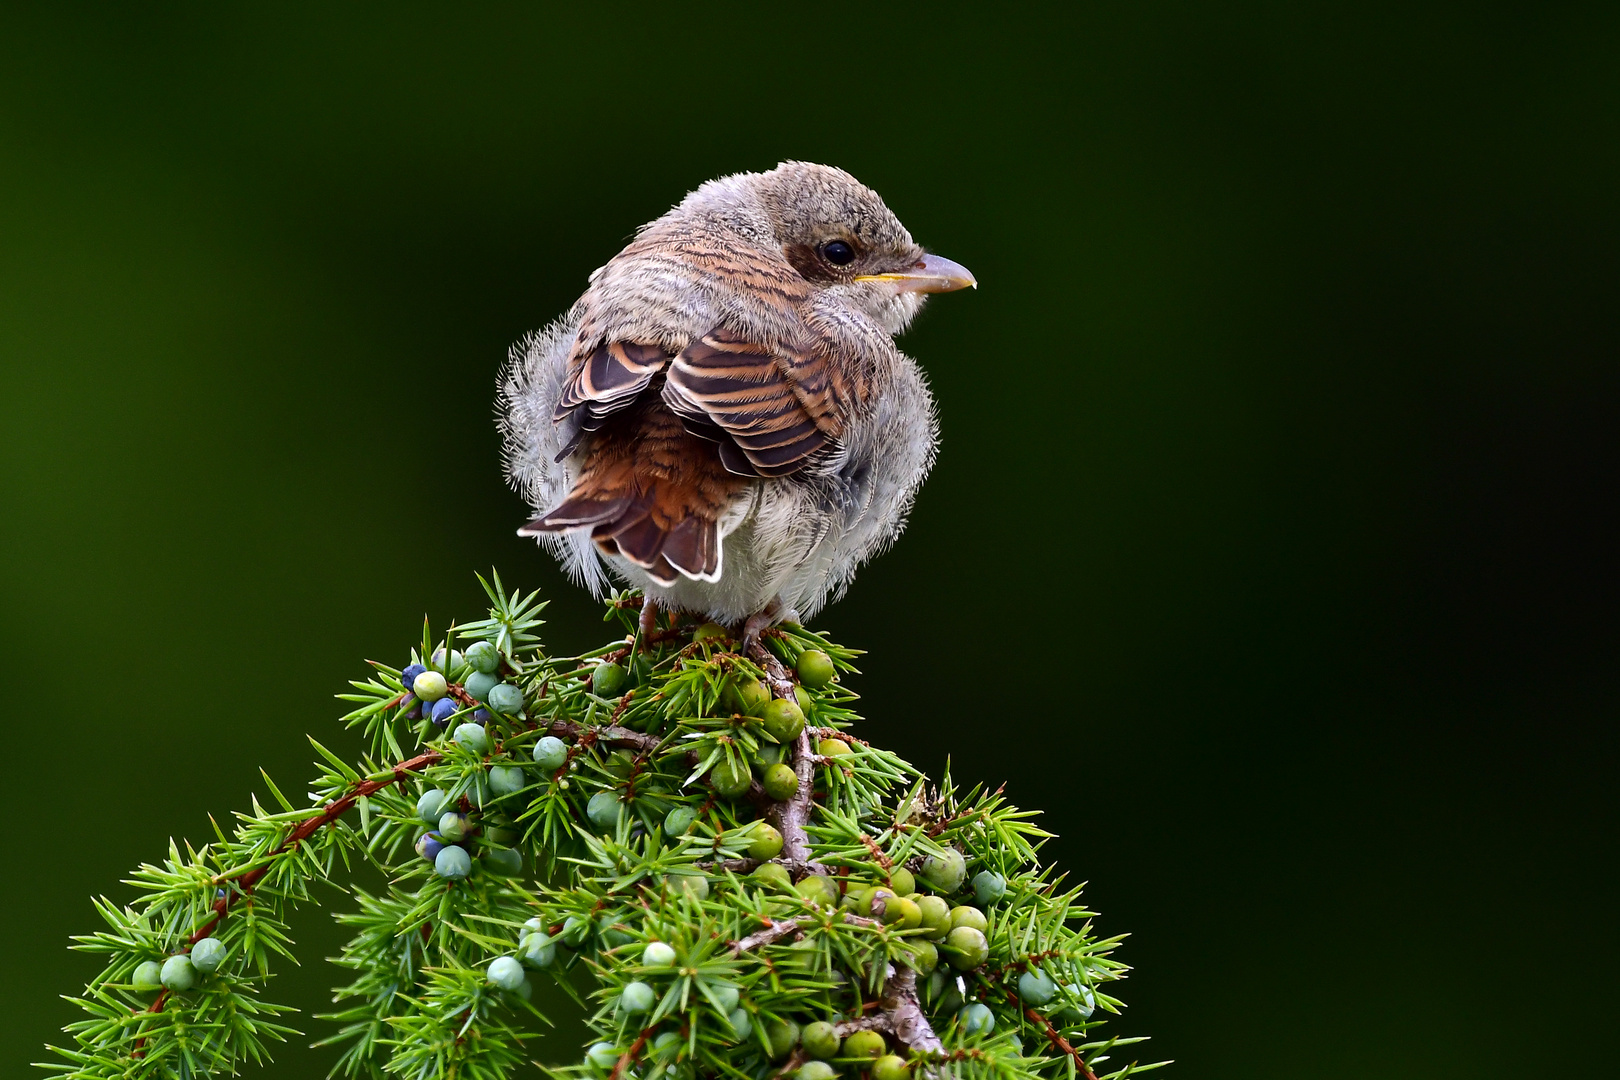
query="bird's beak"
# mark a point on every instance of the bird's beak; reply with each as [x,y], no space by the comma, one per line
[929,274]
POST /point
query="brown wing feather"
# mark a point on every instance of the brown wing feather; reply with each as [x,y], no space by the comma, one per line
[779,406]
[603,380]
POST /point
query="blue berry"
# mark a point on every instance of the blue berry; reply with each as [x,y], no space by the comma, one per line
[428,845]
[472,737]
[408,676]
[505,698]
[479,684]
[148,975]
[483,656]
[603,809]
[550,753]
[977,1018]
[430,686]
[638,997]
[207,955]
[452,863]
[505,973]
[989,886]
[1036,987]
[482,716]
[504,861]
[443,710]
[412,707]
[178,974]
[432,805]
[506,780]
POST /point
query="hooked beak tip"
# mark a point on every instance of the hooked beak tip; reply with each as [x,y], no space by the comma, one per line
[930,274]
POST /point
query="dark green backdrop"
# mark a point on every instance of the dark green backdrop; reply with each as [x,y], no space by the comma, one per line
[1273,512]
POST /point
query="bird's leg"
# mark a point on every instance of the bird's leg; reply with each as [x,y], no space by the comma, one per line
[649,617]
[757,622]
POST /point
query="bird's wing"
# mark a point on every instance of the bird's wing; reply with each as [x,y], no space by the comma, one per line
[603,380]
[769,409]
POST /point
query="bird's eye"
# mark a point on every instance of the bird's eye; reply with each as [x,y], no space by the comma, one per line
[838,253]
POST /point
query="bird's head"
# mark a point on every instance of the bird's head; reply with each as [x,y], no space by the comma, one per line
[838,234]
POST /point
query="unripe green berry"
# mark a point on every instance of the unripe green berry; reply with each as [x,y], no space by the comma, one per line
[430,686]
[988,886]
[472,737]
[148,975]
[537,949]
[603,809]
[607,680]
[503,861]
[945,872]
[815,1070]
[602,1055]
[741,1023]
[783,1035]
[709,631]
[773,876]
[964,915]
[818,889]
[207,955]
[505,698]
[936,916]
[766,842]
[966,948]
[891,1067]
[910,915]
[924,957]
[453,863]
[667,1044]
[802,698]
[780,782]
[658,954]
[731,778]
[831,747]
[506,780]
[694,885]
[679,820]
[815,669]
[456,659]
[479,684]
[727,997]
[1036,987]
[576,928]
[902,881]
[865,1043]
[483,656]
[746,695]
[784,720]
[178,974]
[977,1019]
[637,997]
[820,1039]
[432,805]
[550,753]
[505,973]
[453,827]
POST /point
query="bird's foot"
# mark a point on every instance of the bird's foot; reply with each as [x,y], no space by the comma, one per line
[756,623]
[649,618]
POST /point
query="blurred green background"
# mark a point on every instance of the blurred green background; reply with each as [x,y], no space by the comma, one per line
[1271,549]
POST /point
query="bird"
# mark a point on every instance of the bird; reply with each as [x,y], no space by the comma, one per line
[723,419]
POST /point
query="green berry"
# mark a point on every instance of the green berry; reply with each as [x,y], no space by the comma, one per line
[679,820]
[148,975]
[747,695]
[771,754]
[820,1040]
[709,631]
[576,928]
[784,720]
[924,957]
[638,997]
[966,948]
[178,974]
[963,915]
[550,753]
[506,780]
[766,842]
[500,835]
[505,698]
[831,747]
[207,955]
[503,861]
[731,778]
[483,656]
[988,886]
[452,862]
[945,872]
[977,1019]
[479,684]
[902,881]
[773,876]
[936,916]
[865,1043]
[607,680]
[727,997]
[537,949]
[666,1045]
[780,782]
[910,915]
[472,737]
[815,1070]
[1036,987]
[658,954]
[456,659]
[505,973]
[453,827]
[891,1067]
[432,806]
[818,889]
[603,809]
[802,698]
[815,669]
[694,885]
[602,1055]
[430,686]
[783,1035]
[741,1023]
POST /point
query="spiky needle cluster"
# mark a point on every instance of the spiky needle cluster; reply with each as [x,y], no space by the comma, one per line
[626,835]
